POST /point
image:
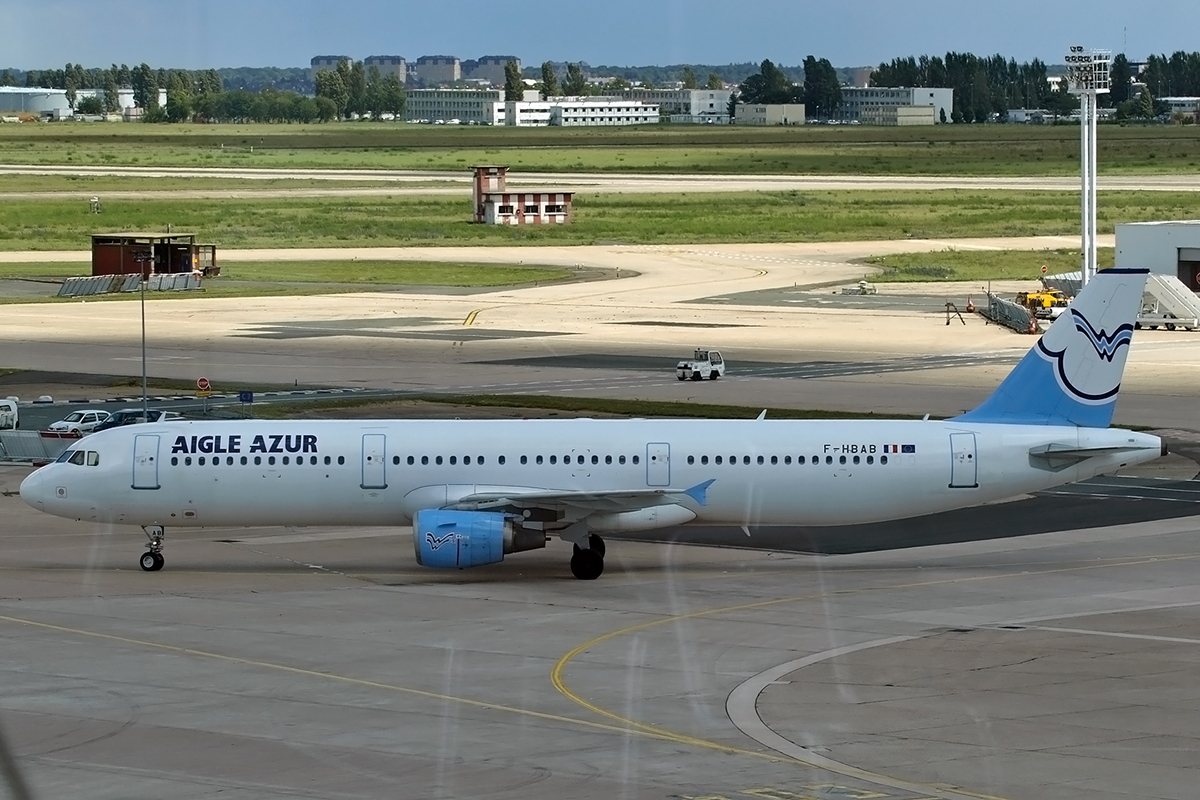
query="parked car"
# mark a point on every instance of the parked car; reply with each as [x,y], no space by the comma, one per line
[80,422]
[9,414]
[133,416]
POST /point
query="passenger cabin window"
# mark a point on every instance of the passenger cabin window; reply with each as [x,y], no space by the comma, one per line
[524,459]
[636,460]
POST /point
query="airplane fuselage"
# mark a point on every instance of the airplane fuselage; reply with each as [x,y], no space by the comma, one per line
[762,472]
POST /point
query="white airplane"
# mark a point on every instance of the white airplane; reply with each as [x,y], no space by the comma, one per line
[476,491]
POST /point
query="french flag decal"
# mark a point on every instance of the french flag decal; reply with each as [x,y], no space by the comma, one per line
[899,448]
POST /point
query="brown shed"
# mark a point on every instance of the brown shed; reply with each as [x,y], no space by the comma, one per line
[151,254]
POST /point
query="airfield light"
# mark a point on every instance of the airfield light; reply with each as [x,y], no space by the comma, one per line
[1087,76]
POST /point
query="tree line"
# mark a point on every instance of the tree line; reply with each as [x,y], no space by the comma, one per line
[356,91]
[820,91]
[992,85]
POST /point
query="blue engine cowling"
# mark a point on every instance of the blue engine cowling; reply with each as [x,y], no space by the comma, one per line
[459,539]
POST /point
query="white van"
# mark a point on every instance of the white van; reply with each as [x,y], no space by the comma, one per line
[8,414]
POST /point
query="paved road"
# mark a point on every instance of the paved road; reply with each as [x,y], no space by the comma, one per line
[417,182]
[273,663]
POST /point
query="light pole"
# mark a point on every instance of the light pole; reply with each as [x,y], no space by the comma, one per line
[141,258]
[1087,77]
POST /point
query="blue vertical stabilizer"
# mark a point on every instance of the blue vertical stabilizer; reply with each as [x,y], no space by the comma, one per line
[1073,374]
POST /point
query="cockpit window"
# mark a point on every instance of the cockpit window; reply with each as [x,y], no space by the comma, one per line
[93,458]
[76,457]
[66,455]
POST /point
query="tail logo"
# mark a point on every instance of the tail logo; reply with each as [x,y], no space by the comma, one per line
[1106,344]
[1084,357]
[435,542]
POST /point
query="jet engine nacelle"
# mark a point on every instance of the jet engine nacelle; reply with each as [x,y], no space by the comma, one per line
[461,539]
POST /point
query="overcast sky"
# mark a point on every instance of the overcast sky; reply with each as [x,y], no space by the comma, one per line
[194,34]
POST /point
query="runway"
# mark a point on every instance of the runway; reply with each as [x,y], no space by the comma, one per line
[433,183]
[276,663]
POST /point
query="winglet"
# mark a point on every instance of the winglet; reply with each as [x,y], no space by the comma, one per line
[761,416]
[699,492]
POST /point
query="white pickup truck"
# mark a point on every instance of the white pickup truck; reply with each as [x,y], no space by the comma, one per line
[9,420]
[703,364]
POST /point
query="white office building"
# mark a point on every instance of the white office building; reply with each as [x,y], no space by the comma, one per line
[769,114]
[869,104]
[443,105]
[689,102]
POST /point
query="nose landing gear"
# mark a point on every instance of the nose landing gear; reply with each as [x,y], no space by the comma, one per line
[152,560]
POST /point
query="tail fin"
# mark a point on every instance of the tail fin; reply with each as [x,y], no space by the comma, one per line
[1073,374]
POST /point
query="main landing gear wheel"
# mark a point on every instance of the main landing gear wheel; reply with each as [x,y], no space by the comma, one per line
[595,543]
[152,562]
[587,563]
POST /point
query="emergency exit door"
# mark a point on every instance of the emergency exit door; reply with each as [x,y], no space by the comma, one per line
[658,464]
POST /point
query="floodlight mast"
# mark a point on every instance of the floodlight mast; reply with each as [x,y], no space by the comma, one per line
[1087,76]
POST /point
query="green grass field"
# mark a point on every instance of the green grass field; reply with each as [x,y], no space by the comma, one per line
[813,149]
[626,219]
[976,265]
[100,184]
[274,278]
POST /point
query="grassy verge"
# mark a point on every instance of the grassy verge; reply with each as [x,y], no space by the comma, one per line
[849,150]
[395,273]
[277,278]
[100,184]
[790,216]
[625,408]
[977,265]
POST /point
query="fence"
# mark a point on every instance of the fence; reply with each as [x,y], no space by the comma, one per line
[108,284]
[1009,314]
[31,446]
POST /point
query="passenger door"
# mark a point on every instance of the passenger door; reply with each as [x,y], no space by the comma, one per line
[145,462]
[374,466]
[964,469]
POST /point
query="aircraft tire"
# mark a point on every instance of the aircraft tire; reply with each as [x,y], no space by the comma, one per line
[149,562]
[595,543]
[159,560]
[587,565]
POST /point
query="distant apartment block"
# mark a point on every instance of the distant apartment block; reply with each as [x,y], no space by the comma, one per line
[319,63]
[388,65]
[435,70]
[488,68]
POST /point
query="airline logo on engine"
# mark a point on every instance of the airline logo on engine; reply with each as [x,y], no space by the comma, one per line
[232,443]
[435,542]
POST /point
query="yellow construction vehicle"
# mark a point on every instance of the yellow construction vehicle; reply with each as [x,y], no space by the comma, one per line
[1047,304]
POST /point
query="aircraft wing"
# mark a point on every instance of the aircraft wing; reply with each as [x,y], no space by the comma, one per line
[611,501]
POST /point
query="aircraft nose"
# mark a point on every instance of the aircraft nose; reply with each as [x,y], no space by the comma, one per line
[34,489]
